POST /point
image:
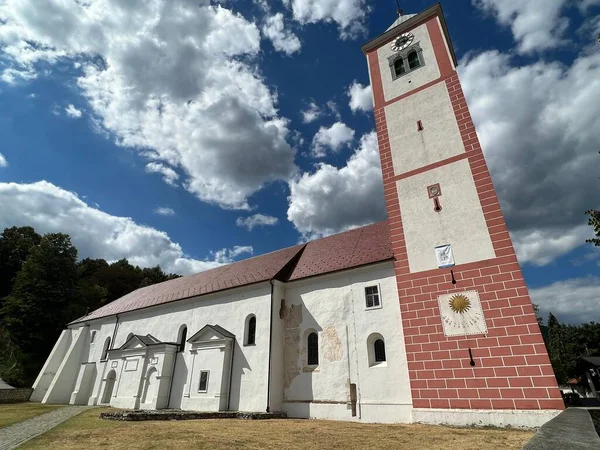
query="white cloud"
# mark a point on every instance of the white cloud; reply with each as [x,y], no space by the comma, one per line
[572,301]
[163,211]
[333,138]
[542,246]
[257,220]
[97,234]
[283,40]
[536,24]
[3,162]
[349,15]
[332,200]
[73,112]
[361,97]
[312,113]
[539,128]
[334,110]
[262,4]
[169,175]
[177,81]
[227,256]
[11,75]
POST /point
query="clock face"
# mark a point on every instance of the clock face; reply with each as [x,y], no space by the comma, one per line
[402,42]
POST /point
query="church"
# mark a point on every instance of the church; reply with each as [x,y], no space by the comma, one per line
[422,318]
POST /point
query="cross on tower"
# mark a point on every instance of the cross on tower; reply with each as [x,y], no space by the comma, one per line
[399,10]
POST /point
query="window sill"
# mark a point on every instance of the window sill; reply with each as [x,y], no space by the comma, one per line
[373,307]
[250,345]
[308,369]
[379,364]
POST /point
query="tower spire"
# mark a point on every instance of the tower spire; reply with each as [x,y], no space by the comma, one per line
[399,10]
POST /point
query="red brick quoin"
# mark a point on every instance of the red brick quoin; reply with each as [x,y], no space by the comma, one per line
[512,369]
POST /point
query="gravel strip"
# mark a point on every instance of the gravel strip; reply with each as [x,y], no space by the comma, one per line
[14,435]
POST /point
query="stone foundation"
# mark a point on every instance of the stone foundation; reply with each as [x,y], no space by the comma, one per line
[15,395]
[139,415]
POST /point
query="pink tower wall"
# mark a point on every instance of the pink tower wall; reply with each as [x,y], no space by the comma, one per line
[512,369]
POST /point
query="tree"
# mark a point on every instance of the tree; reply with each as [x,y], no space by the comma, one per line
[155,275]
[567,343]
[536,310]
[11,368]
[15,245]
[594,222]
[43,293]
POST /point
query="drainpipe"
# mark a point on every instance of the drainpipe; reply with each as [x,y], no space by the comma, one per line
[270,346]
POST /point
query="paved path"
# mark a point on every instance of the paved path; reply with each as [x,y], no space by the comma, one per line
[14,435]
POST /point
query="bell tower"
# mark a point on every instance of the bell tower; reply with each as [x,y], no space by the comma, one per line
[475,350]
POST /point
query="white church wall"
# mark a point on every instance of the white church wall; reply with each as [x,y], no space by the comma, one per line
[335,307]
[226,309]
[211,360]
[53,362]
[84,384]
[101,329]
[128,384]
[412,80]
[440,138]
[62,385]
[277,357]
[460,222]
[156,380]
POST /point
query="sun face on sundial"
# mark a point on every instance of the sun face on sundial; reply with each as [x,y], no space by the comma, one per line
[459,303]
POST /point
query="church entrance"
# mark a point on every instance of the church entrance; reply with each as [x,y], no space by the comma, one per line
[109,385]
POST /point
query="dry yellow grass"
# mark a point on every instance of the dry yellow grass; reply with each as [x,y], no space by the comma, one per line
[88,432]
[18,412]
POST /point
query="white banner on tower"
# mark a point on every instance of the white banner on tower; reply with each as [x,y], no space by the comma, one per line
[444,256]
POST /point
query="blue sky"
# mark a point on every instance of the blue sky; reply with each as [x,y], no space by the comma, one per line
[193,133]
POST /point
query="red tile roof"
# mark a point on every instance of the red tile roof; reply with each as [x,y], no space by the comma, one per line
[346,250]
[352,248]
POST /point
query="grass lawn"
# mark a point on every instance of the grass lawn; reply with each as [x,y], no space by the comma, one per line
[87,431]
[18,412]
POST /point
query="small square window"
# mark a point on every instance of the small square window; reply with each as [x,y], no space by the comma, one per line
[372,297]
[203,387]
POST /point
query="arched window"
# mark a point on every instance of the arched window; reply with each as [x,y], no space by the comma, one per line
[251,330]
[376,350]
[379,349]
[413,60]
[93,337]
[399,67]
[313,349]
[105,349]
[182,338]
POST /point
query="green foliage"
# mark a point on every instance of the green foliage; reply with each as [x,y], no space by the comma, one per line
[11,367]
[567,343]
[47,288]
[36,310]
[15,245]
[594,222]
[536,310]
